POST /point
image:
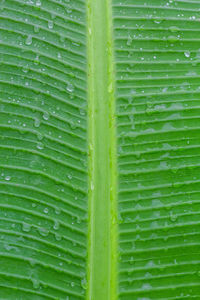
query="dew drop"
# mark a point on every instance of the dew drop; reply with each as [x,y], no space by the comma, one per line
[36,28]
[39,136]
[46,116]
[25,69]
[72,125]
[157,21]
[26,227]
[129,41]
[36,60]
[58,237]
[172,38]
[50,24]
[43,231]
[28,40]
[37,122]
[84,283]
[82,112]
[187,53]
[40,146]
[56,225]
[146,286]
[57,211]
[174,29]
[46,210]
[32,262]
[70,87]
[173,217]
[38,3]
[36,283]
[7,178]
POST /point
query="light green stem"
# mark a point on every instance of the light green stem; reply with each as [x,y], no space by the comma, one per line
[102,247]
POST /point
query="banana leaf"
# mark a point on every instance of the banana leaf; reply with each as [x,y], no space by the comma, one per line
[99,149]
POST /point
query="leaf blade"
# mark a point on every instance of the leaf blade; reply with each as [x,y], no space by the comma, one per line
[43,150]
[157,70]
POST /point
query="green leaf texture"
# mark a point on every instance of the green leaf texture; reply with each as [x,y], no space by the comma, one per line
[43,150]
[158,121]
[99,148]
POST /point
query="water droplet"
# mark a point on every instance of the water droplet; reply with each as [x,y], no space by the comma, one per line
[56,225]
[157,21]
[129,41]
[36,60]
[36,28]
[174,29]
[84,283]
[25,69]
[38,3]
[28,40]
[39,136]
[7,178]
[72,125]
[37,122]
[50,24]
[9,247]
[32,262]
[57,211]
[36,283]
[45,116]
[43,231]
[40,146]
[146,286]
[70,87]
[82,112]
[58,237]
[26,227]
[46,210]
[187,53]
[172,38]
[173,217]
[164,90]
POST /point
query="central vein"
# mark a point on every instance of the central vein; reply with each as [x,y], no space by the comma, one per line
[102,246]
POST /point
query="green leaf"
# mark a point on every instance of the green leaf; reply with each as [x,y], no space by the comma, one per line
[99,147]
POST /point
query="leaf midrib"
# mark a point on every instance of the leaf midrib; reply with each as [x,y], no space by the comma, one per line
[102,243]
